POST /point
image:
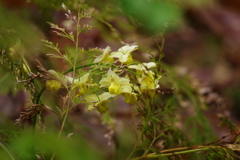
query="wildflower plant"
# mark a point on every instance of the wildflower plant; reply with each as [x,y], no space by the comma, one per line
[115,67]
[111,74]
[96,78]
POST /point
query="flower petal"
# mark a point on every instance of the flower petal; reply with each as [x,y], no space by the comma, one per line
[130,97]
[84,78]
[149,65]
[53,85]
[116,55]
[92,98]
[106,95]
[128,49]
[104,57]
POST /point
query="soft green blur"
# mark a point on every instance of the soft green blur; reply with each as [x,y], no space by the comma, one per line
[153,15]
[28,144]
[14,26]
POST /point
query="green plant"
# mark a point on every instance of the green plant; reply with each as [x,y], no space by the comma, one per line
[96,78]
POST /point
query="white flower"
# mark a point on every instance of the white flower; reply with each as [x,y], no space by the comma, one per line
[104,57]
[142,67]
[149,82]
[124,54]
[114,83]
[99,101]
[81,84]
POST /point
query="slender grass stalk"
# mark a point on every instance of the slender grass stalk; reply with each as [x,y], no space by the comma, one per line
[178,151]
[153,141]
[37,102]
[135,146]
[7,151]
[74,71]
[34,118]
[146,119]
[154,155]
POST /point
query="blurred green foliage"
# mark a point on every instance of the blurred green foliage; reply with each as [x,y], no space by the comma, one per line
[28,146]
[155,16]
[14,27]
[157,125]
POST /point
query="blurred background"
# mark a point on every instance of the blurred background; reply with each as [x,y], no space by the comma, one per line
[201,40]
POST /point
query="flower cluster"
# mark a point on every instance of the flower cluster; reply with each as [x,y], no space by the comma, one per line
[147,79]
[115,82]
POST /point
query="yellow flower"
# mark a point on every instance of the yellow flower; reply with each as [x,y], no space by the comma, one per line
[56,80]
[99,101]
[130,98]
[119,86]
[114,83]
[128,94]
[149,83]
[124,54]
[140,68]
[114,88]
[81,85]
[104,57]
[146,78]
[53,85]
[59,77]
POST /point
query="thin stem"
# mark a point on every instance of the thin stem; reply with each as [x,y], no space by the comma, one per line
[7,151]
[154,155]
[61,129]
[161,55]
[88,65]
[153,141]
[184,148]
[74,71]
[37,102]
[141,134]
[181,150]
[36,115]
[147,119]
[135,146]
